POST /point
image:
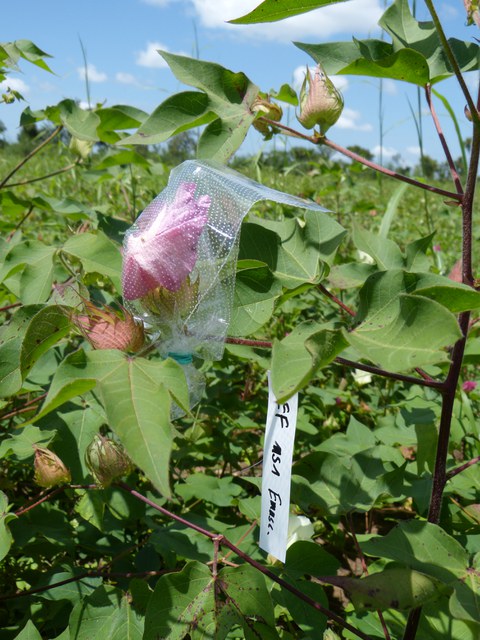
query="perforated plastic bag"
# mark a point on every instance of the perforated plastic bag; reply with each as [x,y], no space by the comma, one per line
[180,256]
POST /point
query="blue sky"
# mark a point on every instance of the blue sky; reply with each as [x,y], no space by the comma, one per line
[120,38]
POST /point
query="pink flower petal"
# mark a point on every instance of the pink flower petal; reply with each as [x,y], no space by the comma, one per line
[163,250]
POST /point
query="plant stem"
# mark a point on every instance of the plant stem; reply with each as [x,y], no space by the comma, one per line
[47,175]
[446,149]
[30,155]
[453,472]
[221,540]
[368,163]
[337,301]
[424,381]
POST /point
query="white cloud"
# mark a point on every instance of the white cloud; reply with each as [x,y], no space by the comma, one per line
[341,82]
[360,16]
[15,84]
[414,151]
[388,152]
[350,120]
[125,78]
[149,57]
[390,87]
[94,75]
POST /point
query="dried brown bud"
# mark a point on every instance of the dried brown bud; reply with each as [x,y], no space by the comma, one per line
[49,469]
[106,329]
[320,101]
[107,460]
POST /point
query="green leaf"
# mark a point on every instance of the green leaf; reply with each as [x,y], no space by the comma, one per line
[392,321]
[255,292]
[286,94]
[391,209]
[297,358]
[306,557]
[415,54]
[193,602]
[97,253]
[392,588]
[422,546]
[305,249]
[106,613]
[27,50]
[218,491]
[230,96]
[337,485]
[10,374]
[177,113]
[136,397]
[465,601]
[35,261]
[45,329]
[29,632]
[273,10]
[6,538]
[350,274]
[21,443]
[386,253]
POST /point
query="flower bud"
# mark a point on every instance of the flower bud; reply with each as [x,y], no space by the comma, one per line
[106,329]
[269,110]
[320,101]
[107,460]
[49,469]
[473,13]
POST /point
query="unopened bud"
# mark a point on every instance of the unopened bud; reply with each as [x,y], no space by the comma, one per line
[473,12]
[106,329]
[49,469]
[107,460]
[320,101]
[269,110]
[81,148]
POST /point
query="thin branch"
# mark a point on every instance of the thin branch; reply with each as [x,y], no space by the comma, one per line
[446,149]
[453,472]
[260,344]
[336,300]
[368,163]
[45,177]
[87,574]
[226,543]
[52,494]
[24,408]
[19,224]
[434,384]
[30,155]
[10,306]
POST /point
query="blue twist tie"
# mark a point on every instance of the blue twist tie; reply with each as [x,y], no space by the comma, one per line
[181,358]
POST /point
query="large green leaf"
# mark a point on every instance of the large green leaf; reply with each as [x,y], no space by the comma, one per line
[392,588]
[193,602]
[230,97]
[426,547]
[136,398]
[392,320]
[97,253]
[35,262]
[337,485]
[297,358]
[106,613]
[177,113]
[305,248]
[385,252]
[415,54]
[29,632]
[5,517]
[45,329]
[273,10]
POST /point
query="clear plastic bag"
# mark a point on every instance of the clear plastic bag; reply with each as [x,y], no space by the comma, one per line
[180,257]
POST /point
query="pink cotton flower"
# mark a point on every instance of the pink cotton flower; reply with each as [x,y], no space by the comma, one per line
[163,250]
[469,385]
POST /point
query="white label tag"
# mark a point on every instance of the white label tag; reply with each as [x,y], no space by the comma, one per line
[277,472]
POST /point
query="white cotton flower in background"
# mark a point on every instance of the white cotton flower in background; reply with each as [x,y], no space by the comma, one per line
[361,377]
[364,257]
[299,528]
